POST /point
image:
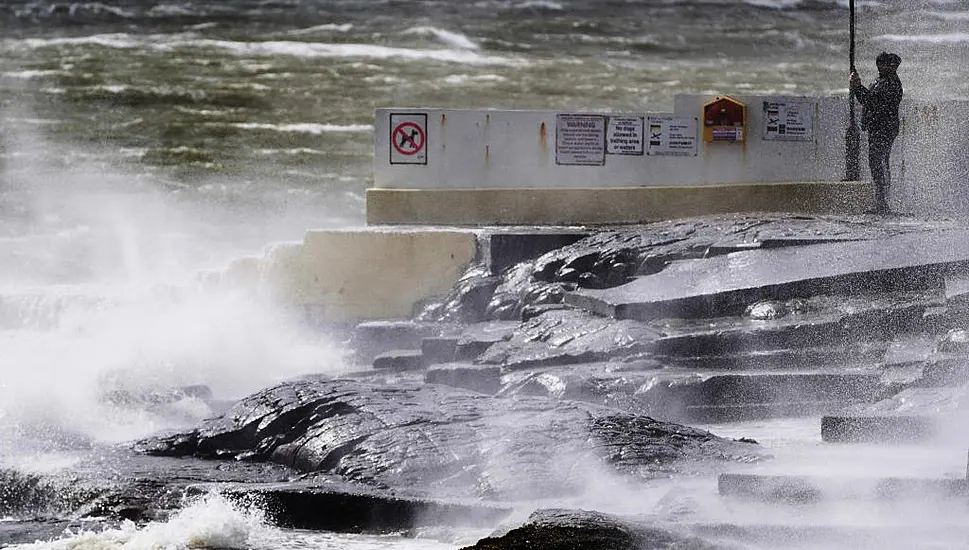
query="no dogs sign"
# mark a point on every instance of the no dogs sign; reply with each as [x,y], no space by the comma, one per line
[408,138]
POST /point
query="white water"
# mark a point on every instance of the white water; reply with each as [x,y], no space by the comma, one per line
[105,314]
[213,522]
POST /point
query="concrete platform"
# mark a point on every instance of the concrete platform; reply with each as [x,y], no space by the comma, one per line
[609,205]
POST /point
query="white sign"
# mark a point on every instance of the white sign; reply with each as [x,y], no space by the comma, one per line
[672,136]
[624,136]
[408,138]
[580,140]
[788,120]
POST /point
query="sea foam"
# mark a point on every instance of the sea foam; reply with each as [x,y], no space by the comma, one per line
[945,38]
[462,50]
[305,127]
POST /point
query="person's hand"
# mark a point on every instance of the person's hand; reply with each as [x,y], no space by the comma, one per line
[854,80]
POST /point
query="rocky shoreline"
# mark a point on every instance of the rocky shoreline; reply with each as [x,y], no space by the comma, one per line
[559,363]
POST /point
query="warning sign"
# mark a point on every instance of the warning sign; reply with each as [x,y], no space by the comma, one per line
[672,136]
[624,136]
[580,140]
[408,138]
[788,120]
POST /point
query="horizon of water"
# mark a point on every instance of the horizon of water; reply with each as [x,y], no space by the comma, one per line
[144,143]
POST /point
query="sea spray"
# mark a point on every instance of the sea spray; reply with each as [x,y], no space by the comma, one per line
[210,521]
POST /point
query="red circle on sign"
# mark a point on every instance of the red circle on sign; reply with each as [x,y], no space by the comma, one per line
[414,138]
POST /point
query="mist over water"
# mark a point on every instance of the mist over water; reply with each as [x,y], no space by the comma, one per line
[144,143]
[103,312]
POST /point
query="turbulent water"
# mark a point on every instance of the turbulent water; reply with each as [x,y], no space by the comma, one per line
[143,142]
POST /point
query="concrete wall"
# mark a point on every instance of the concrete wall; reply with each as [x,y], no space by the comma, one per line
[348,276]
[932,166]
[517,149]
[593,206]
[478,150]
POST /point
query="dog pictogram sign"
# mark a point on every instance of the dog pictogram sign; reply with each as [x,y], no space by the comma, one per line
[408,138]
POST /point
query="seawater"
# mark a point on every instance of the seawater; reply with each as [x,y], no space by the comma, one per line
[143,144]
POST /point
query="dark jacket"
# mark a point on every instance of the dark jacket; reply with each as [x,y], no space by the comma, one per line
[879,104]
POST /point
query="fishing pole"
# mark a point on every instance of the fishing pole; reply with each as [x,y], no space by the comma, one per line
[852,135]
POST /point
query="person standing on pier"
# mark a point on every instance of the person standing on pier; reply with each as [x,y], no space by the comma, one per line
[879,117]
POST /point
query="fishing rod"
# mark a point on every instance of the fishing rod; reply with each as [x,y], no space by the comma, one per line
[852,135]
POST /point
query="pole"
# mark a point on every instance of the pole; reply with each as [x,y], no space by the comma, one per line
[852,135]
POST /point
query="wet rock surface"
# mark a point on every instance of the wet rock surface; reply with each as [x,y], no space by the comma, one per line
[559,529]
[445,442]
[520,384]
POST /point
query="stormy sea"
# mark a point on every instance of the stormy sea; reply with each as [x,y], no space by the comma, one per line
[144,143]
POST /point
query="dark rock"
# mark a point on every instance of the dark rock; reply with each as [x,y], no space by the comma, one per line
[766,310]
[726,247]
[113,484]
[518,290]
[955,341]
[477,338]
[505,249]
[693,397]
[439,349]
[601,383]
[399,360]
[479,378]
[562,337]
[334,506]
[646,387]
[654,246]
[827,359]
[557,529]
[530,312]
[372,338]
[468,300]
[956,288]
[941,371]
[444,441]
[702,288]
[878,429]
[814,322]
[916,414]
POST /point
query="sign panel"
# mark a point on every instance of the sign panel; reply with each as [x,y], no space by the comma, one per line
[624,135]
[580,140]
[788,120]
[724,119]
[408,138]
[672,136]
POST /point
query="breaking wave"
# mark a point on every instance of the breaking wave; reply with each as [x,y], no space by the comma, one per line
[452,39]
[209,522]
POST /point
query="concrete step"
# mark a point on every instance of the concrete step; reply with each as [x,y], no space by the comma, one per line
[507,248]
[812,489]
[371,338]
[479,378]
[399,360]
[893,430]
